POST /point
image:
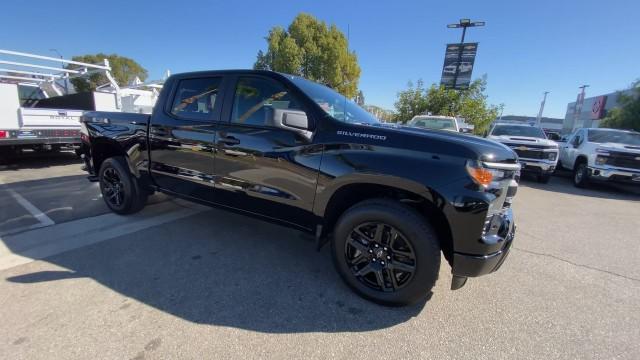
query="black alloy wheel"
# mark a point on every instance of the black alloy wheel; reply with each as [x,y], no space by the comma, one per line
[386,251]
[120,189]
[380,256]
[113,187]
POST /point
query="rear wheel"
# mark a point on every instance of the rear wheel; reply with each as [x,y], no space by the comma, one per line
[581,175]
[120,189]
[387,252]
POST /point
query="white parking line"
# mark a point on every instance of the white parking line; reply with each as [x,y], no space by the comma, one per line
[42,218]
[41,243]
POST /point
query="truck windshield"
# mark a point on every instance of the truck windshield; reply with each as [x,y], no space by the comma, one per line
[434,123]
[518,130]
[613,136]
[333,103]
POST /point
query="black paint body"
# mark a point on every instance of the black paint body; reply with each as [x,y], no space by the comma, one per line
[282,176]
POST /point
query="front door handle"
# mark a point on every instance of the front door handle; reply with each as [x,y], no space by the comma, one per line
[229,140]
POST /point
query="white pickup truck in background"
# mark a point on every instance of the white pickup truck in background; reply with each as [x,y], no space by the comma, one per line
[35,128]
[36,114]
[602,155]
[537,154]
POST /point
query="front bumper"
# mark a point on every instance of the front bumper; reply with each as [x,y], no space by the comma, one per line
[501,230]
[538,166]
[607,173]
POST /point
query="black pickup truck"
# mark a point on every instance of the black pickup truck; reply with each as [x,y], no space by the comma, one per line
[389,199]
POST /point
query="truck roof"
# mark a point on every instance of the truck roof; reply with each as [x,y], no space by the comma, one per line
[225,72]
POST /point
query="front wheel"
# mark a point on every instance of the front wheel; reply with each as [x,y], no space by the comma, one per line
[120,189]
[387,252]
[581,175]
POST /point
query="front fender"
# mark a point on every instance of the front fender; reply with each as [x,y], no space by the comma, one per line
[328,190]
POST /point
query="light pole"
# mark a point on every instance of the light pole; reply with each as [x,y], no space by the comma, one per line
[464,24]
[539,118]
[66,89]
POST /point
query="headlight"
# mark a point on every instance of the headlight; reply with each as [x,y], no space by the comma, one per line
[485,176]
[552,156]
[602,151]
[601,160]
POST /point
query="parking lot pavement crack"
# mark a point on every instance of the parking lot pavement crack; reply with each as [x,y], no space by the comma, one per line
[578,265]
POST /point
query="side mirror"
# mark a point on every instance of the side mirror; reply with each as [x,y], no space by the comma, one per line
[294,120]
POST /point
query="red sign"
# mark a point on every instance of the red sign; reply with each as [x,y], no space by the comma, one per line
[597,110]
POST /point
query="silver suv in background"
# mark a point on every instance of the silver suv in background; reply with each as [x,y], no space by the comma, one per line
[537,154]
[602,154]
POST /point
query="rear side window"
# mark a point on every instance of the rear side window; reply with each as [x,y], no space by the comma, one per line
[255,99]
[195,99]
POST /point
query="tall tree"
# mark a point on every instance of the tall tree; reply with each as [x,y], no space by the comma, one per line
[470,104]
[310,48]
[123,70]
[627,116]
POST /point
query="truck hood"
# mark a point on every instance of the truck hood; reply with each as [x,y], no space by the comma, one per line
[633,149]
[524,140]
[447,143]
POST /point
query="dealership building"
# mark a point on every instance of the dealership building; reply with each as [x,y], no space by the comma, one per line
[594,109]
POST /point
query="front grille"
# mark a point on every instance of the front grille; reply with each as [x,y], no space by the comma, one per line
[542,147]
[531,154]
[625,160]
[531,151]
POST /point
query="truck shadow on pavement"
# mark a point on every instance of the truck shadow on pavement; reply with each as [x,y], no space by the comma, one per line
[225,269]
[39,160]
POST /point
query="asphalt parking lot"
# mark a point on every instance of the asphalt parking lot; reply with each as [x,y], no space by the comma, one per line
[183,281]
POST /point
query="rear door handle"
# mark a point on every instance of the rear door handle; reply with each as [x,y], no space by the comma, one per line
[229,140]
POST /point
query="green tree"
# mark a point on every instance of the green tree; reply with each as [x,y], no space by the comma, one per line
[470,104]
[310,48]
[411,102]
[123,70]
[627,116]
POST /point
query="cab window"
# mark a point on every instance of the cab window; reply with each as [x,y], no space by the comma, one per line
[256,98]
[577,139]
[195,99]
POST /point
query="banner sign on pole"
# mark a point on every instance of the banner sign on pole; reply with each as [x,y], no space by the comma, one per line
[461,57]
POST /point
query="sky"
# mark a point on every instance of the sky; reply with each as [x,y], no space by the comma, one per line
[526,47]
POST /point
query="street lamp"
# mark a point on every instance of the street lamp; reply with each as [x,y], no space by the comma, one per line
[66,89]
[464,24]
[578,107]
[544,100]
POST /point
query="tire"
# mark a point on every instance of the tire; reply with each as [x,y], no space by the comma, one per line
[544,178]
[120,189]
[386,261]
[581,175]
